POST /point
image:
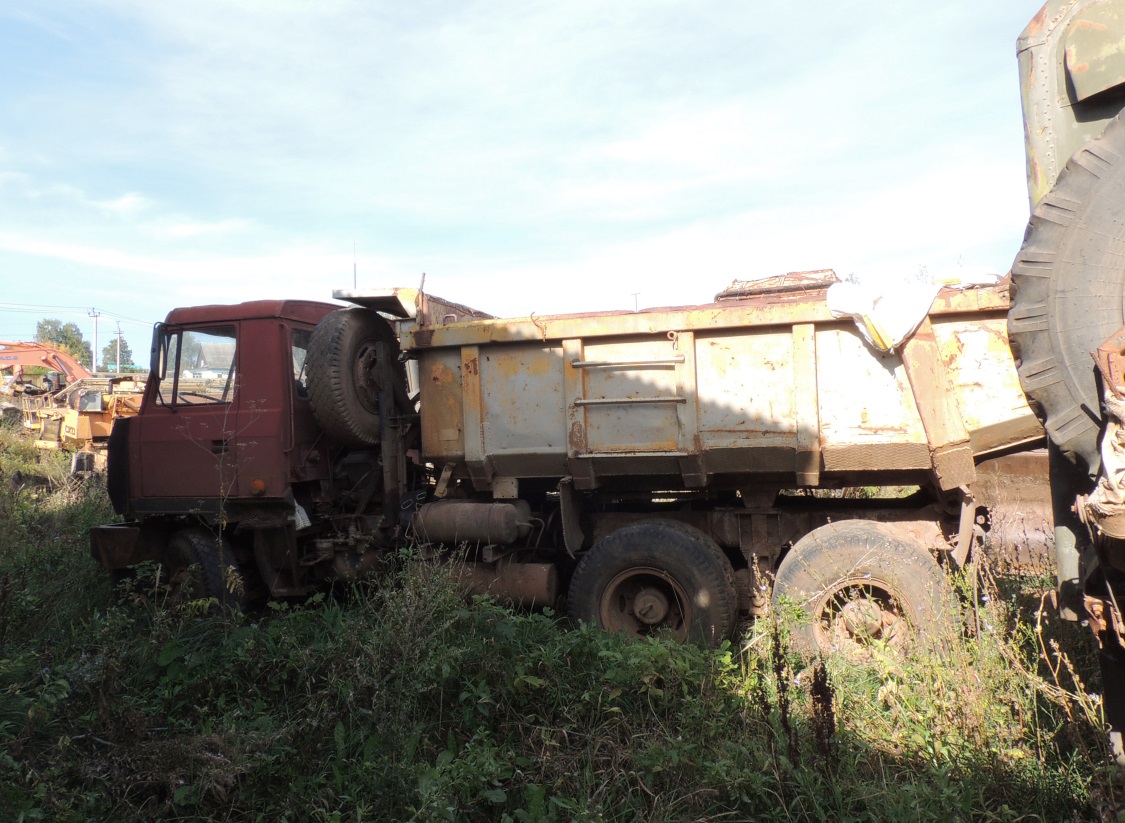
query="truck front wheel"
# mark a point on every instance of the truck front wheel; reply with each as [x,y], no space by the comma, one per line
[201,566]
[859,583]
[653,577]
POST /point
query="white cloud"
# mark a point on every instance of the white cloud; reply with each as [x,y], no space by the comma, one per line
[188,228]
[126,204]
[541,157]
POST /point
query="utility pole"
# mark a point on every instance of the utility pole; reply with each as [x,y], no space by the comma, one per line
[117,366]
[94,313]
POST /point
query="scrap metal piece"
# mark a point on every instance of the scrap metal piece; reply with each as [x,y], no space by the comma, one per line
[790,281]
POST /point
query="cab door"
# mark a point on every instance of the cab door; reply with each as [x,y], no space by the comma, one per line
[184,441]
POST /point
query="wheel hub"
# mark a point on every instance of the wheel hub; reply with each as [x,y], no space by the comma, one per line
[863,618]
[641,600]
[366,378]
[651,606]
[858,616]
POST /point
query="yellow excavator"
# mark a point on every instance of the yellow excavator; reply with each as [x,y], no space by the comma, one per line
[65,405]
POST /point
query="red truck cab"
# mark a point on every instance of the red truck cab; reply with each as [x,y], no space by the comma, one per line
[225,431]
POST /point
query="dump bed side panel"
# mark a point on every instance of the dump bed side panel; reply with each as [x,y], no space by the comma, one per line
[792,396]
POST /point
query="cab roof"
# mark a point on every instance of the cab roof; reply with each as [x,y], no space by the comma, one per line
[307,311]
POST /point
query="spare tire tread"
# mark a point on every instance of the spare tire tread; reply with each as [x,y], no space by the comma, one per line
[338,404]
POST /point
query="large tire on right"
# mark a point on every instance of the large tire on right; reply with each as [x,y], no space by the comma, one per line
[1068,287]
[344,374]
[860,583]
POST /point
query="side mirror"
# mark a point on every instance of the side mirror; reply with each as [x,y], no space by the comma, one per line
[157,363]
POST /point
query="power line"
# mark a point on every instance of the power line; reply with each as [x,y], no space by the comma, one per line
[26,308]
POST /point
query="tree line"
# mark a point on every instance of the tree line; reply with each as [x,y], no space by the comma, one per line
[68,337]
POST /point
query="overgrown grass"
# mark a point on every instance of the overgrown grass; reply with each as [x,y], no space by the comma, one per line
[403,703]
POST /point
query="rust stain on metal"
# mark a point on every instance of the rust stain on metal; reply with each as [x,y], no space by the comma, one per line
[577,438]
[1037,24]
[441,374]
[1072,66]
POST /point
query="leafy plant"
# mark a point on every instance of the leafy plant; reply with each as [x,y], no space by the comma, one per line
[400,701]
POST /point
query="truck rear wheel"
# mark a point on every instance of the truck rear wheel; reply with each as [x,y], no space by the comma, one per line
[343,374]
[202,566]
[656,576]
[860,583]
[1068,284]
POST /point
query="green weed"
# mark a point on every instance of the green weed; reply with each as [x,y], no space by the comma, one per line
[400,701]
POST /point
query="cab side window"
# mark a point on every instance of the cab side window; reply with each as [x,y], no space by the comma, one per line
[300,348]
[198,366]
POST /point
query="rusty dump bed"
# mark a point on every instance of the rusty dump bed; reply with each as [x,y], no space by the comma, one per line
[767,387]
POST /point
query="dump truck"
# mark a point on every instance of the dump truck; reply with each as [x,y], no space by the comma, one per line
[1068,293]
[658,471]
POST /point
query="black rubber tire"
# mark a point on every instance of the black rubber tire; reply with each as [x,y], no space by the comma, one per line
[1068,283]
[204,565]
[342,374]
[840,573]
[666,559]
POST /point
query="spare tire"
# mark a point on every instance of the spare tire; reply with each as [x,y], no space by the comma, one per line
[1068,283]
[344,371]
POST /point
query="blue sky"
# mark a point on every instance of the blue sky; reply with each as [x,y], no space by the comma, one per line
[527,156]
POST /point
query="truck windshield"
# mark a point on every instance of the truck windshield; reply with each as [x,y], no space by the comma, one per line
[199,366]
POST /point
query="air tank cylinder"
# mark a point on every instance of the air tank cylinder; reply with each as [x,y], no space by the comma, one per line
[469,521]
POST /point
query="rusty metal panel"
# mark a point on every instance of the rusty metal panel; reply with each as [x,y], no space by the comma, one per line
[1094,49]
[1067,55]
[522,409]
[443,423]
[745,392]
[807,401]
[761,385]
[983,379]
[758,310]
[937,404]
[692,467]
[865,397]
[631,399]
[574,390]
[477,458]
